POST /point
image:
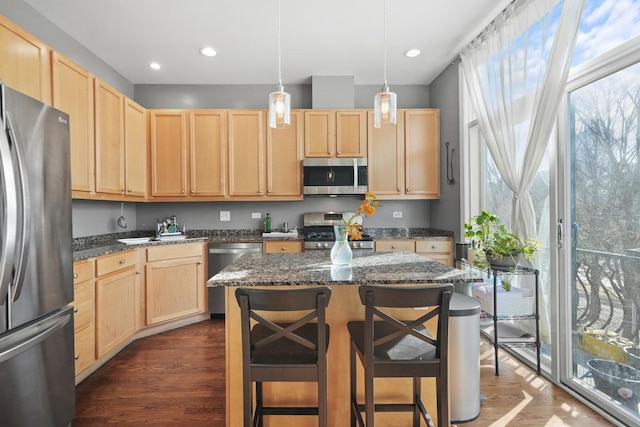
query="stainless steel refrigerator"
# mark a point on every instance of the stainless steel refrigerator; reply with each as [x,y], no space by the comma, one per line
[37,386]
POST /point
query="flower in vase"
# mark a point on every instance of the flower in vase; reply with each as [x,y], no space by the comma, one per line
[366,209]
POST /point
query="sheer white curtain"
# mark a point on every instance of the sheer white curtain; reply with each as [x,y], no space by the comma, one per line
[516,72]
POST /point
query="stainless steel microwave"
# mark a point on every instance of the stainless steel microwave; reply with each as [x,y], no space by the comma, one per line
[334,176]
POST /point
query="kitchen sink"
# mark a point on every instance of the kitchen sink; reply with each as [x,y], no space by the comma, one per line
[136,240]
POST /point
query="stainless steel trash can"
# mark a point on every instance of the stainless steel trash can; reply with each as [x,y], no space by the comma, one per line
[464,358]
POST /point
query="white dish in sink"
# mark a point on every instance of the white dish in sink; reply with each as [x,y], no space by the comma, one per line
[135,240]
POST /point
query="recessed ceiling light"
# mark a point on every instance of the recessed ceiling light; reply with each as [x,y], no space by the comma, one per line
[208,51]
[412,53]
[155,65]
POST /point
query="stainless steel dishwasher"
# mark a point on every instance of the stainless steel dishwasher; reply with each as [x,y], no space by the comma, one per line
[221,255]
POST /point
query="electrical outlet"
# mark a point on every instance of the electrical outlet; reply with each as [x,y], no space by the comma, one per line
[397,214]
[256,215]
[225,215]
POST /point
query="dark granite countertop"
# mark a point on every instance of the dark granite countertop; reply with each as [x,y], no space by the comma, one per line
[315,268]
[112,247]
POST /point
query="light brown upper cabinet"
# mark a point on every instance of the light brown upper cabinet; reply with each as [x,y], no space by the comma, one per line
[404,160]
[422,153]
[72,92]
[284,158]
[246,153]
[136,143]
[168,153]
[207,153]
[331,133]
[386,159]
[29,69]
[109,131]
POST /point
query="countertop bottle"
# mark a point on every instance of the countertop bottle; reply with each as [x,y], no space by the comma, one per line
[267,224]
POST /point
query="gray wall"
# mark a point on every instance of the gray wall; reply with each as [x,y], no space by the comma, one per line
[445,212]
[256,96]
[32,21]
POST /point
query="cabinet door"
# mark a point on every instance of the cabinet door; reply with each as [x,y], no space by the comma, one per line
[284,158]
[72,92]
[136,137]
[168,153]
[109,122]
[422,154]
[29,70]
[115,309]
[246,152]
[351,133]
[175,288]
[319,133]
[207,152]
[386,159]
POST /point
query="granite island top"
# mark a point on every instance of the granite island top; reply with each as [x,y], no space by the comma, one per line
[315,268]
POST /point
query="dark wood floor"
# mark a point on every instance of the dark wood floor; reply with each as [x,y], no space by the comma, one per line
[177,379]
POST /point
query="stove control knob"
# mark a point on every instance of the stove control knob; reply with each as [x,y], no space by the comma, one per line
[326,245]
[319,245]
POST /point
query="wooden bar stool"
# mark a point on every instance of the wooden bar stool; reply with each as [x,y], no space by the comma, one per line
[283,352]
[391,348]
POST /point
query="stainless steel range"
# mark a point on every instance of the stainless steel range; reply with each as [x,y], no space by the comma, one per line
[319,235]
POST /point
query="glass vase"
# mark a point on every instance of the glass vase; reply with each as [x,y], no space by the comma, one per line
[341,251]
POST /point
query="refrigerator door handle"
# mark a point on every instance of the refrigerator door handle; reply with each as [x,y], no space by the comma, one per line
[25,218]
[11,214]
[24,339]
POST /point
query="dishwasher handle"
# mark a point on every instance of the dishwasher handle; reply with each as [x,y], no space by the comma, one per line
[234,250]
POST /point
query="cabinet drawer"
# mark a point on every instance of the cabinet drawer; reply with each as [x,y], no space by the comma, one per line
[395,245]
[159,253]
[283,246]
[110,263]
[435,245]
[85,348]
[445,259]
[82,271]
[83,304]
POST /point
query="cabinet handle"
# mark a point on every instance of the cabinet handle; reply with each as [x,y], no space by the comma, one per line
[339,152]
[329,152]
[408,189]
[284,249]
[122,262]
[138,273]
[199,262]
[75,310]
[182,191]
[433,246]
[77,356]
[129,190]
[75,275]
[393,246]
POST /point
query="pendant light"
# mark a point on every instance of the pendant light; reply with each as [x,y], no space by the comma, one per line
[384,104]
[279,101]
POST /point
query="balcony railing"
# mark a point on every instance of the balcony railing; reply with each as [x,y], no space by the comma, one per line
[607,292]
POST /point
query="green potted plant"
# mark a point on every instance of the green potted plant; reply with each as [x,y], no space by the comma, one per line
[501,247]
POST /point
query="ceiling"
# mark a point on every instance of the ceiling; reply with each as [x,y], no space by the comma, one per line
[318,38]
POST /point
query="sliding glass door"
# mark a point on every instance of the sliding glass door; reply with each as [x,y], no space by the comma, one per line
[601,255]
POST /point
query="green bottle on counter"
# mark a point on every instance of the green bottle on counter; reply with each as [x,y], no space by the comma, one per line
[267,224]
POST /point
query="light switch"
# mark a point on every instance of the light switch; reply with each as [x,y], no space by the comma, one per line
[256,215]
[397,214]
[225,215]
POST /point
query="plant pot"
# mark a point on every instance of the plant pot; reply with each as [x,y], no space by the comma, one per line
[620,382]
[502,261]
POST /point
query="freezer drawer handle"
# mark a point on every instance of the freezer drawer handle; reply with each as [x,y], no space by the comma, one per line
[22,341]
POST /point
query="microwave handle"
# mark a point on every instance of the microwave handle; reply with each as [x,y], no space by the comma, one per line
[355,176]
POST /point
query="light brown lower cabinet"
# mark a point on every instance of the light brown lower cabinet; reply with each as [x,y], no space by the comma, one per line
[84,314]
[437,249]
[115,300]
[283,246]
[175,282]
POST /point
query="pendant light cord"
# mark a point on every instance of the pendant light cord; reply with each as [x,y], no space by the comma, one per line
[279,49]
[384,24]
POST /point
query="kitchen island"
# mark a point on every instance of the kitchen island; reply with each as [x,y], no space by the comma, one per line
[314,268]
